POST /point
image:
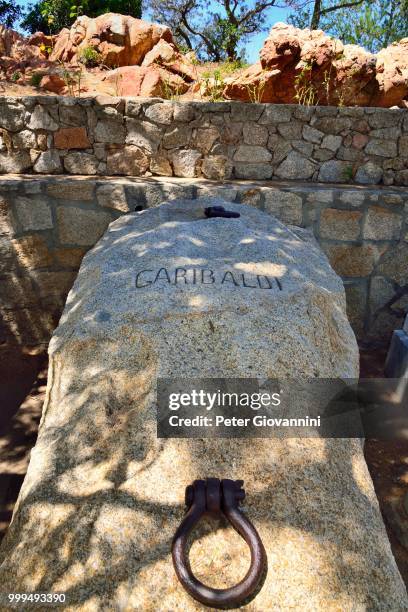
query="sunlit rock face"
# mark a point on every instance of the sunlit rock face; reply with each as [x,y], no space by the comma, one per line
[167,292]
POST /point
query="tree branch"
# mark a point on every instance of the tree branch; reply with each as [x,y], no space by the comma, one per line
[330,9]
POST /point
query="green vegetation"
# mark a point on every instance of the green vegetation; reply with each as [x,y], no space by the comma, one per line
[10,12]
[64,12]
[15,76]
[373,24]
[215,31]
[90,57]
[36,79]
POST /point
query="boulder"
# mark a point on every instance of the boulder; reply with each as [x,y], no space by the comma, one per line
[254,84]
[120,40]
[53,82]
[309,67]
[145,81]
[8,39]
[167,55]
[392,74]
[103,495]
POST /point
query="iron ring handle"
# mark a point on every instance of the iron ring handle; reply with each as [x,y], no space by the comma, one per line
[207,501]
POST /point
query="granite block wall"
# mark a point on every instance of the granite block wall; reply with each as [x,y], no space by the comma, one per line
[48,223]
[218,140]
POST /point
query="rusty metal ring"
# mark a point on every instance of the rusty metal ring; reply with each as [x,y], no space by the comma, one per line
[212,496]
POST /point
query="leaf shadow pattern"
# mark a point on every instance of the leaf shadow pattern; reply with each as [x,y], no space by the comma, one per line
[103,496]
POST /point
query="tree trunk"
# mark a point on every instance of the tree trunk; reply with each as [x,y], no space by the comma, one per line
[314,24]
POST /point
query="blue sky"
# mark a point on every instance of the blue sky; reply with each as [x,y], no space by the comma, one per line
[256,42]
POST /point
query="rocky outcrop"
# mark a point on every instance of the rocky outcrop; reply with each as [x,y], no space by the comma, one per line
[307,66]
[120,40]
[310,67]
[392,74]
[18,53]
[145,81]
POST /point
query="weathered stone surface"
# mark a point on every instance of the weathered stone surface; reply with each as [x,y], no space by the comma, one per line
[81,163]
[167,55]
[15,162]
[382,224]
[71,138]
[252,154]
[392,74]
[216,167]
[130,160]
[334,171]
[295,167]
[159,164]
[143,134]
[312,135]
[205,138]
[69,257]
[186,163]
[32,252]
[24,140]
[7,219]
[53,286]
[112,196]
[120,40]
[11,116]
[111,131]
[287,207]
[383,148]
[352,260]
[41,120]
[293,60]
[33,214]
[81,227]
[342,224]
[160,113]
[178,136]
[253,171]
[54,83]
[48,162]
[368,174]
[71,190]
[255,134]
[356,297]
[99,426]
[394,264]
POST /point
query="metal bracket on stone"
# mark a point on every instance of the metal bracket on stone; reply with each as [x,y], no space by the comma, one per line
[219,211]
[215,497]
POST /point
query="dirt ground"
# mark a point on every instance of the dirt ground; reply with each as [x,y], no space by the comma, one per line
[23,379]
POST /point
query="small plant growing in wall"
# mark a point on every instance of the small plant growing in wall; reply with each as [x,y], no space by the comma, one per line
[348,174]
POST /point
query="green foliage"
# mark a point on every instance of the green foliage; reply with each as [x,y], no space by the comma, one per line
[16,76]
[63,12]
[10,12]
[373,24]
[216,30]
[90,57]
[36,79]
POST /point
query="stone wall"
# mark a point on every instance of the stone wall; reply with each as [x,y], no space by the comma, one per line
[222,140]
[48,223]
